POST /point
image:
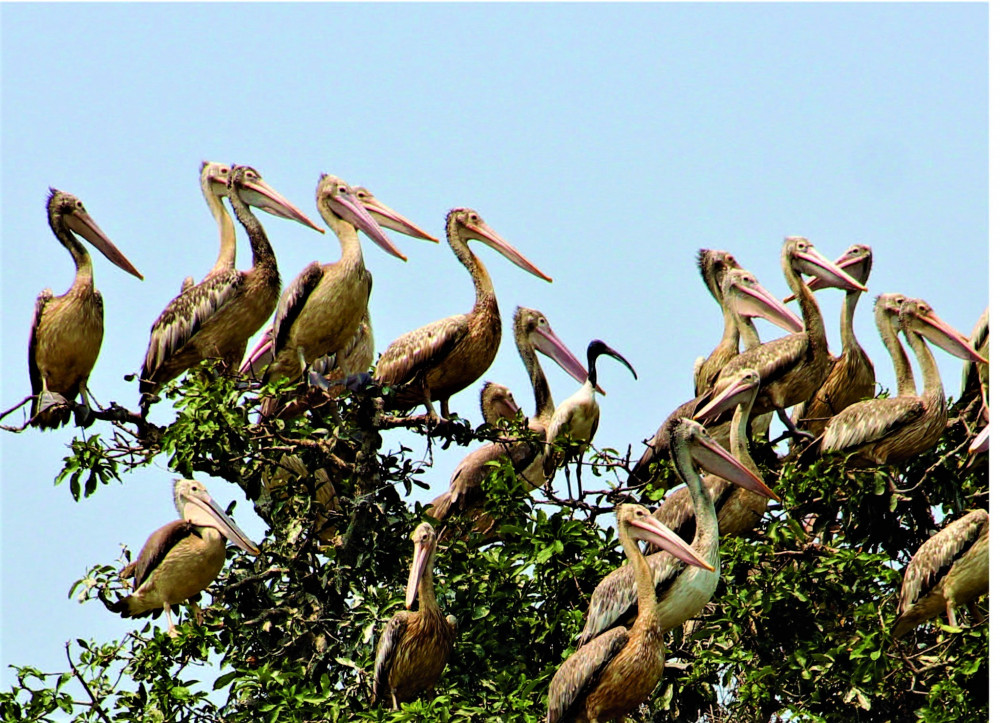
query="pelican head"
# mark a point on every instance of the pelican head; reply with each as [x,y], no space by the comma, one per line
[889,305]
[687,437]
[799,254]
[424,545]
[387,218]
[215,181]
[743,389]
[469,226]
[254,191]
[748,298]
[497,402]
[68,209]
[713,265]
[335,196]
[533,325]
[195,505]
[639,524]
[918,316]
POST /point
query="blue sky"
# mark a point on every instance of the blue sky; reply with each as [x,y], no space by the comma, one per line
[608,142]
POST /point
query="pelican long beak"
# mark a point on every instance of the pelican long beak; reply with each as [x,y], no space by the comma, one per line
[755,300]
[981,443]
[852,264]
[655,532]
[714,458]
[350,208]
[941,334]
[224,523]
[813,263]
[545,341]
[727,399]
[482,232]
[390,219]
[260,194]
[421,556]
[82,224]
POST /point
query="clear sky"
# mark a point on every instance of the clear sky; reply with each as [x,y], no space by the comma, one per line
[608,142]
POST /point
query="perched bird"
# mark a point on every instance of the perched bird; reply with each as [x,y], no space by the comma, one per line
[613,674]
[216,317]
[950,569]
[713,265]
[321,310]
[681,590]
[442,358]
[852,376]
[577,417]
[889,431]
[414,646]
[496,402]
[67,330]
[737,509]
[183,557]
[214,179]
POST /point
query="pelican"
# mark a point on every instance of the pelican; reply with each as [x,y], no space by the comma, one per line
[321,310]
[852,376]
[887,308]
[183,557]
[713,265]
[681,590]
[737,509]
[67,330]
[415,645]
[577,416]
[888,431]
[532,334]
[950,569]
[442,358]
[214,185]
[976,376]
[612,675]
[496,402]
[216,317]
[743,296]
[793,367]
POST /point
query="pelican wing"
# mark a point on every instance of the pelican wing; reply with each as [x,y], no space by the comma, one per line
[292,301]
[580,672]
[34,374]
[385,654]
[420,349]
[870,421]
[773,360]
[936,556]
[186,315]
[157,546]
[615,600]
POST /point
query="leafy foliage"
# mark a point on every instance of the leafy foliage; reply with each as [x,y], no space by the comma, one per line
[797,630]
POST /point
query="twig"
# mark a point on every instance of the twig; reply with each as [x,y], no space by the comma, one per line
[94,703]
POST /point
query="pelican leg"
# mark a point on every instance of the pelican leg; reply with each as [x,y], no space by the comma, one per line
[171,628]
[977,615]
[790,426]
[949,607]
[196,612]
[83,414]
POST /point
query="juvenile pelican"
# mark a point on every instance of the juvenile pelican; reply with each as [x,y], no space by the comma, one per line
[67,330]
[614,673]
[216,317]
[951,569]
[681,590]
[214,187]
[414,646]
[442,358]
[183,557]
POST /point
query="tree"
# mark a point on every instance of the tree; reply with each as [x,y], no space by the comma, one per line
[797,630]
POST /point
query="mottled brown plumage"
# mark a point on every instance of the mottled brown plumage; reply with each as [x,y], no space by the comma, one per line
[67,330]
[414,646]
[949,570]
[442,358]
[889,431]
[214,319]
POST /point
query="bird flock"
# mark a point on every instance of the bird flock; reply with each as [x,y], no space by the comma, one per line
[321,332]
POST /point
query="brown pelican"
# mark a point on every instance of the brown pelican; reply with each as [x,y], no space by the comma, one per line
[67,330]
[320,312]
[183,557]
[442,358]
[852,377]
[612,675]
[216,317]
[743,297]
[793,367]
[737,509]
[577,417]
[415,645]
[887,431]
[681,590]
[950,569]
[532,334]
